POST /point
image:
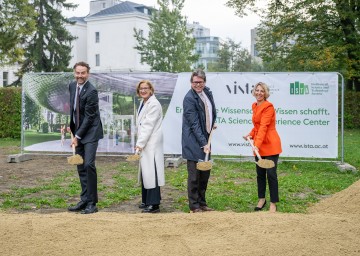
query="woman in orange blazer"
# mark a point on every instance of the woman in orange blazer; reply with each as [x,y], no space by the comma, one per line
[267,142]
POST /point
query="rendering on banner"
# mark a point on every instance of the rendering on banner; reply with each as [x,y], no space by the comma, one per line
[306,106]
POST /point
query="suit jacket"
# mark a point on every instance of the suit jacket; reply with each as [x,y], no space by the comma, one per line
[194,134]
[264,132]
[150,139]
[90,129]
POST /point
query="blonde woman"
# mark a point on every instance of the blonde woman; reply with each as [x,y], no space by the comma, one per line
[267,142]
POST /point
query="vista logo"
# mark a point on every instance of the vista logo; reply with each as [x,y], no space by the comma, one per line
[298,88]
[235,88]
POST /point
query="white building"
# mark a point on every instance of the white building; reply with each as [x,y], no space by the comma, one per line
[8,75]
[206,46]
[105,38]
[254,51]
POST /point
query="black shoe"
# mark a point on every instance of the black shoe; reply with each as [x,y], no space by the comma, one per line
[90,208]
[151,209]
[78,207]
[260,208]
[142,206]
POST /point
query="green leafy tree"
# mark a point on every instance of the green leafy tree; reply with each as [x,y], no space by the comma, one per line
[170,45]
[32,114]
[17,22]
[48,48]
[304,35]
[232,58]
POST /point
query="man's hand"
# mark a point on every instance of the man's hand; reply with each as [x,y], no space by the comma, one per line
[206,149]
[74,142]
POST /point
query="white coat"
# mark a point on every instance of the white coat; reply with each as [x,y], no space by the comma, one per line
[150,139]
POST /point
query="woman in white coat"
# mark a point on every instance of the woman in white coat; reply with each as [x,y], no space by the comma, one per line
[150,144]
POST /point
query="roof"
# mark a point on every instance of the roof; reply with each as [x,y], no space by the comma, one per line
[77,19]
[122,8]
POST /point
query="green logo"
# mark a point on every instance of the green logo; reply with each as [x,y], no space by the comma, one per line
[298,88]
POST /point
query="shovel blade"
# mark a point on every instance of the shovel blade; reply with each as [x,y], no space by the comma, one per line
[265,163]
[75,160]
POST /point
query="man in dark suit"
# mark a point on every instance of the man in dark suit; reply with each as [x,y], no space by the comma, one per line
[86,126]
[199,115]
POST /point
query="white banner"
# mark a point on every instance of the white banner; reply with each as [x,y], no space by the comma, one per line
[306,107]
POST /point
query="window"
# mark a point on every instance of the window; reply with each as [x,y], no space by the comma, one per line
[97,37]
[97,60]
[104,5]
[5,79]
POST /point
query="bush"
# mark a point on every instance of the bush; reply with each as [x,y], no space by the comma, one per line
[351,110]
[45,127]
[10,112]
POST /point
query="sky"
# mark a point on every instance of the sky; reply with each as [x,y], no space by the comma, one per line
[212,14]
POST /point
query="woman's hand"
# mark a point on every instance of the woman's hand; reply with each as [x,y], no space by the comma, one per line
[246,137]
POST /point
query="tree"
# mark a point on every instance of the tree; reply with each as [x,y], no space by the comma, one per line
[48,48]
[232,58]
[170,45]
[17,22]
[305,35]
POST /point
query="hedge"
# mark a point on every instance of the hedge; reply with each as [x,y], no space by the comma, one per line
[10,112]
[351,110]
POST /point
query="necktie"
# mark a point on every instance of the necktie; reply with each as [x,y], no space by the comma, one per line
[207,117]
[78,107]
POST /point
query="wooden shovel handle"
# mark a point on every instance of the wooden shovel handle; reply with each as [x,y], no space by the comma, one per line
[72,145]
[253,147]
[209,140]
[210,136]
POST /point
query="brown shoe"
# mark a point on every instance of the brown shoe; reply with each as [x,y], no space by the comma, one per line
[205,208]
[196,210]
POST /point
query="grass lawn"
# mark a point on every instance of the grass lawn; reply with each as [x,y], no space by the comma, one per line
[232,185]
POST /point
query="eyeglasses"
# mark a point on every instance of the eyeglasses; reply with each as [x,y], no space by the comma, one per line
[198,82]
[144,89]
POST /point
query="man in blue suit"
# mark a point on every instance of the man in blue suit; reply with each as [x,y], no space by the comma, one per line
[86,126]
[199,115]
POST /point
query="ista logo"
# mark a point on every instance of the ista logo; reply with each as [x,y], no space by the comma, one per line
[298,88]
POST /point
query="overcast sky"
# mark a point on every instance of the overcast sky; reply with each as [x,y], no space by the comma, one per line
[212,14]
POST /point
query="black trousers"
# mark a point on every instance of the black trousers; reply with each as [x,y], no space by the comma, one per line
[197,185]
[151,196]
[271,177]
[87,172]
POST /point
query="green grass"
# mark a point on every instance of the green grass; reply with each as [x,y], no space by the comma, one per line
[8,142]
[232,185]
[32,137]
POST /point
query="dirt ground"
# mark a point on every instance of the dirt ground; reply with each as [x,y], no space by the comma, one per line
[331,227]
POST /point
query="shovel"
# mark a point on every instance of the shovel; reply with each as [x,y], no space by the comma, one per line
[206,164]
[263,163]
[74,159]
[133,158]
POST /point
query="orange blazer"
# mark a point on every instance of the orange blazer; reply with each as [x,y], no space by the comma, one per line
[264,133]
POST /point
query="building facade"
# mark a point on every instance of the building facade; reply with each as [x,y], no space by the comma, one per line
[206,46]
[105,37]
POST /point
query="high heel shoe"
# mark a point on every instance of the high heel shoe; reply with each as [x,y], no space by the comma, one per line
[260,208]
